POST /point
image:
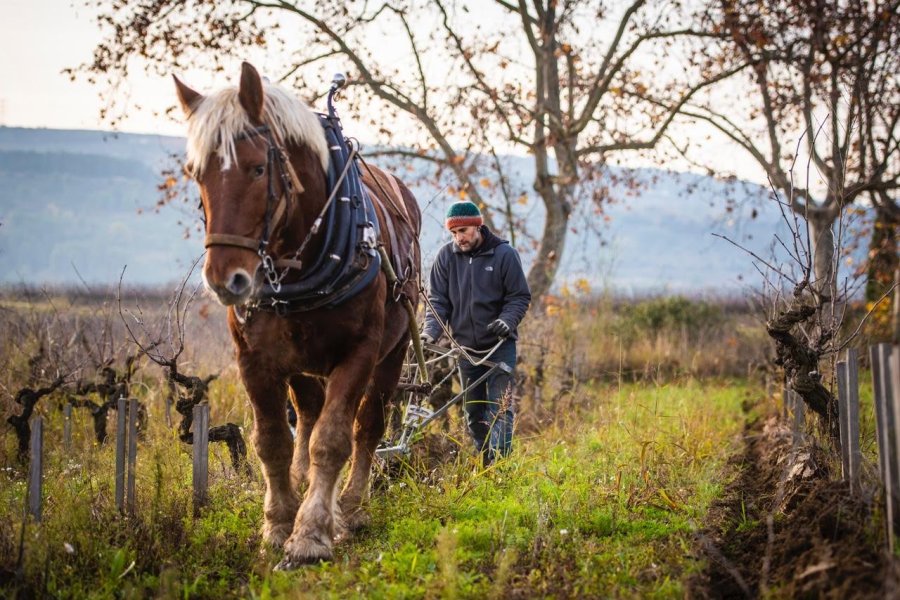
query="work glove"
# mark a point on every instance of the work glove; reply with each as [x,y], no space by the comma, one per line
[499,328]
[426,338]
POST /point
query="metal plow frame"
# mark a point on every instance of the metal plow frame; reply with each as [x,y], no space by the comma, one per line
[416,415]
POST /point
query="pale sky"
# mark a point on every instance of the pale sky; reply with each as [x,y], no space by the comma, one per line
[40,38]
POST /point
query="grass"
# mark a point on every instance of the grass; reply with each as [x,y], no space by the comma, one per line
[628,411]
[603,502]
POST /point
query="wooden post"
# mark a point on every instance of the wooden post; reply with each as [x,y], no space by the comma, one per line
[886,423]
[132,453]
[168,401]
[854,453]
[35,468]
[894,376]
[844,417]
[120,453]
[168,412]
[201,455]
[891,385]
[848,405]
[893,414]
[896,316]
[67,426]
[799,410]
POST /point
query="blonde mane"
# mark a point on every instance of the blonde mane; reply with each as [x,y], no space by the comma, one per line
[220,118]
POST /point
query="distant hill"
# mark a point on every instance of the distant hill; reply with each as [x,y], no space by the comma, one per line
[82,205]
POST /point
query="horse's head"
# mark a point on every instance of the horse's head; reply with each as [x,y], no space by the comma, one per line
[247,184]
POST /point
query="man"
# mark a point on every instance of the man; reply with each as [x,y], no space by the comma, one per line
[478,289]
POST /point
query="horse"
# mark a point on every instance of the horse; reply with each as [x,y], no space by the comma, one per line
[264,166]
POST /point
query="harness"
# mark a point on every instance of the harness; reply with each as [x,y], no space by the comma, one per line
[349,260]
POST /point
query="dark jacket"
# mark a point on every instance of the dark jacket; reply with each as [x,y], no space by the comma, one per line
[469,290]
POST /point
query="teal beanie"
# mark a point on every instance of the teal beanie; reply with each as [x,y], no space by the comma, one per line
[463,214]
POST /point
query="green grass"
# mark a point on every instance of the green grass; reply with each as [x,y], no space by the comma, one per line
[603,503]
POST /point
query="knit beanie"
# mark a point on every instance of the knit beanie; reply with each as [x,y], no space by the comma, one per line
[463,214]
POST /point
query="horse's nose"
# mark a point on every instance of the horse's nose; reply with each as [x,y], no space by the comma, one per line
[239,282]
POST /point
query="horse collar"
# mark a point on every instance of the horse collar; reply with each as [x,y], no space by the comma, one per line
[348,260]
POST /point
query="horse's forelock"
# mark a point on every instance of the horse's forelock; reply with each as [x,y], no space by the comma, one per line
[220,118]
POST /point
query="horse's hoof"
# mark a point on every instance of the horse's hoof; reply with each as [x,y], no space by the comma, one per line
[291,564]
[299,551]
[354,516]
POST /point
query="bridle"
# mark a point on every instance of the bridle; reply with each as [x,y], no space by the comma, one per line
[276,205]
[348,260]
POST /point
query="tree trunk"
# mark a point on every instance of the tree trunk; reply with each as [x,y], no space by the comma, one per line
[553,243]
[821,236]
[801,365]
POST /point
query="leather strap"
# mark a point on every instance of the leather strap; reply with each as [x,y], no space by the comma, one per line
[289,263]
[392,234]
[227,239]
[400,204]
[240,241]
[280,209]
[286,163]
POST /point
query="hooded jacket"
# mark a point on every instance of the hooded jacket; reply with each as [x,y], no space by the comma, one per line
[469,290]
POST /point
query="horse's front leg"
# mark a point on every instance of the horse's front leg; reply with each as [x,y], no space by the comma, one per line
[368,429]
[272,439]
[308,396]
[329,448]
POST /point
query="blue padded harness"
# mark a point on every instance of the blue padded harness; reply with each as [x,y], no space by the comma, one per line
[349,260]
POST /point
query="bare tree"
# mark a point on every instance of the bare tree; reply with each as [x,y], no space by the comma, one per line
[108,384]
[54,358]
[807,337]
[824,72]
[27,398]
[454,83]
[795,317]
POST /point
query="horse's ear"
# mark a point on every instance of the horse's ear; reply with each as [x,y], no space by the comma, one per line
[189,98]
[251,92]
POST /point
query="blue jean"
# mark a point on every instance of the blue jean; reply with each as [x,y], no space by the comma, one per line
[490,409]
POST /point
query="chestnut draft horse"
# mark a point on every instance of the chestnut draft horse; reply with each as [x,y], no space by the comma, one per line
[334,338]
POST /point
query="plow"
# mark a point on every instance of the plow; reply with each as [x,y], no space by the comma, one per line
[417,390]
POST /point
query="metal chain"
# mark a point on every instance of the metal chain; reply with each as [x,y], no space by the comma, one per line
[268,265]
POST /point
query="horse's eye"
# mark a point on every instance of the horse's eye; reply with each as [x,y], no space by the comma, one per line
[259,171]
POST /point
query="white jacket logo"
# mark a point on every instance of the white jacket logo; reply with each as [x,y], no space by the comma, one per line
[489,268]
